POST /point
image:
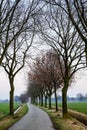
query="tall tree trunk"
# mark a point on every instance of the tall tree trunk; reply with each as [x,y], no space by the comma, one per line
[56,101]
[64,98]
[11,80]
[49,101]
[45,101]
[41,99]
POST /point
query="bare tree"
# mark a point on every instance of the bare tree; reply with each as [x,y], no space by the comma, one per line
[14,61]
[14,18]
[16,36]
[80,96]
[7,12]
[53,74]
[77,11]
[64,39]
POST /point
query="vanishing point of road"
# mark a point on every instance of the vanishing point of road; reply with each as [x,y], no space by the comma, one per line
[35,119]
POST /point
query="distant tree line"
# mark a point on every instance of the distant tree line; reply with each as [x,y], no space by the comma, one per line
[82,97]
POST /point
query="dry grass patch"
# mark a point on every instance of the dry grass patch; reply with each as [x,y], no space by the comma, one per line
[1,114]
[79,116]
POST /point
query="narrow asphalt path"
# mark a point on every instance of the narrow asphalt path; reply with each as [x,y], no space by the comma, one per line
[35,119]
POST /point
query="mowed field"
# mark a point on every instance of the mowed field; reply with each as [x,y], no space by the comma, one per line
[4,108]
[76,106]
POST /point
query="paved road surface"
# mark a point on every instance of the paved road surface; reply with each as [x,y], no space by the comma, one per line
[35,119]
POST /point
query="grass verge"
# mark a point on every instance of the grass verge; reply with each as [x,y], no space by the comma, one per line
[4,108]
[6,122]
[60,123]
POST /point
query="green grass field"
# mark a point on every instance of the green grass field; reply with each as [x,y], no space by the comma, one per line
[4,107]
[77,106]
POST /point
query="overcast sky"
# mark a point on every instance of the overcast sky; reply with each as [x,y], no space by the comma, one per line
[20,84]
[78,86]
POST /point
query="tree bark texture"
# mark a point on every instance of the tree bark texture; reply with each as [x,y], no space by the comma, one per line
[64,98]
[45,101]
[86,52]
[41,99]
[49,101]
[56,101]
[11,80]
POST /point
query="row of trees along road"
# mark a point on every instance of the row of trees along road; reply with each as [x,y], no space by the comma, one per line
[60,24]
[17,30]
[57,30]
[45,78]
